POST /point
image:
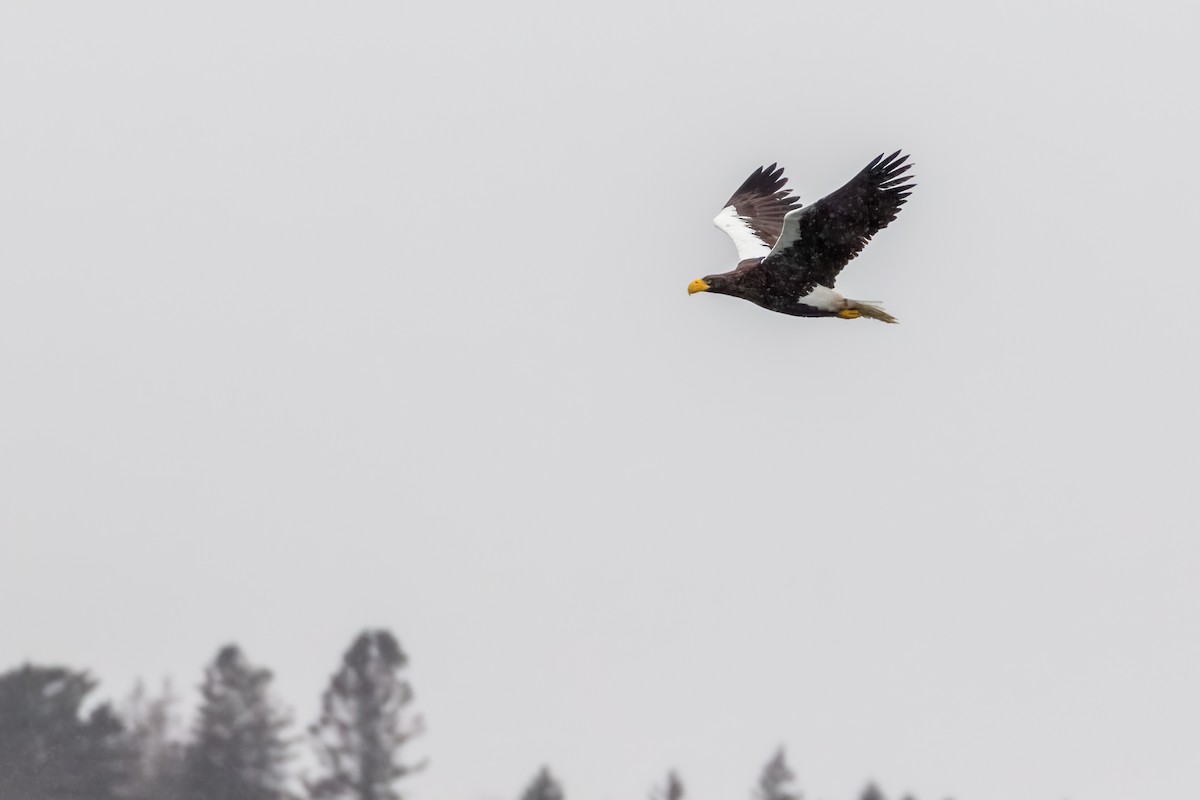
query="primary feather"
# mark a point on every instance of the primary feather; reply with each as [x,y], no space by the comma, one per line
[754,216]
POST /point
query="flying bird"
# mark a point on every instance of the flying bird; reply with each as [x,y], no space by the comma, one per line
[789,256]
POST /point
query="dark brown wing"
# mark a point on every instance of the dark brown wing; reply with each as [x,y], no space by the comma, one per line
[753,217]
[821,239]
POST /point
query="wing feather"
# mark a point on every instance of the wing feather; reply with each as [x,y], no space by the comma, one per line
[754,216]
[821,239]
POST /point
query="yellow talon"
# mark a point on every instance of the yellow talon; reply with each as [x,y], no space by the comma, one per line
[849,313]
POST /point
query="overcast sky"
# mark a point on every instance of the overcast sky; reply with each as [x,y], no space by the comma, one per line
[315,316]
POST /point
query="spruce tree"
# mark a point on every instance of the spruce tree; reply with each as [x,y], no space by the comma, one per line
[776,781]
[48,749]
[544,787]
[238,751]
[362,729]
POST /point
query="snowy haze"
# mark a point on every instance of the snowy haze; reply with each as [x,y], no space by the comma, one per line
[321,316]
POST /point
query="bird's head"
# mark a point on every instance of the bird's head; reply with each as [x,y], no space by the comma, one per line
[709,283]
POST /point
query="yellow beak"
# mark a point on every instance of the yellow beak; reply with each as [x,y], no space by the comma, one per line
[697,285]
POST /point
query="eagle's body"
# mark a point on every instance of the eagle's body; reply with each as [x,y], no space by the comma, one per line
[790,256]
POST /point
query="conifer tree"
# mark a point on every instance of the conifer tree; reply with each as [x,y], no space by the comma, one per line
[48,749]
[362,729]
[777,779]
[544,787]
[238,751]
[156,749]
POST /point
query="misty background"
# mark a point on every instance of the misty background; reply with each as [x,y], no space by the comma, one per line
[316,317]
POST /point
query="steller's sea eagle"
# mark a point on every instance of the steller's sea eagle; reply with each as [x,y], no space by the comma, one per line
[789,256]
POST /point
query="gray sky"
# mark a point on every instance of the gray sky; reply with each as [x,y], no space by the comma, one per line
[317,316]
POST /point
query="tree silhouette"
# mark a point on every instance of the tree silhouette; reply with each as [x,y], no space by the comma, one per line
[671,790]
[48,750]
[872,792]
[544,787]
[238,751]
[156,750]
[361,732]
[776,780]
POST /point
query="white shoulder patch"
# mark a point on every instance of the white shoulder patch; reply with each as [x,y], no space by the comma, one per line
[824,298]
[791,228]
[744,238]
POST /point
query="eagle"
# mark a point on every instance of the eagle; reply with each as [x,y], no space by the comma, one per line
[789,255]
